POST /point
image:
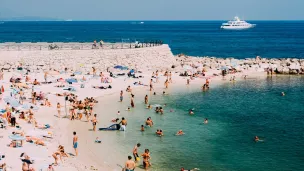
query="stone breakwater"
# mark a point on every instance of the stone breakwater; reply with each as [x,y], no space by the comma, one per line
[279,66]
[28,46]
[157,57]
[148,58]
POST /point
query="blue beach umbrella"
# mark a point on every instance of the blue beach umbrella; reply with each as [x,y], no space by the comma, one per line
[71,80]
[12,101]
[16,137]
[118,67]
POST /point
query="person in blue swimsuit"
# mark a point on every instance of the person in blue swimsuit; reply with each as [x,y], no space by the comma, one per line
[75,143]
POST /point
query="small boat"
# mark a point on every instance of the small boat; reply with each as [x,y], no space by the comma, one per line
[237,24]
[142,22]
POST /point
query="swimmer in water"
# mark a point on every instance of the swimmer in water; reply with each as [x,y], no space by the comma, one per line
[154,93]
[128,109]
[164,93]
[159,133]
[142,128]
[191,112]
[161,110]
[180,132]
[283,94]
[118,113]
[256,139]
[149,107]
[156,109]
[205,121]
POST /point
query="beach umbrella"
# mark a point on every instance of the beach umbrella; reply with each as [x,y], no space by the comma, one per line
[118,67]
[71,80]
[16,137]
[12,101]
[28,106]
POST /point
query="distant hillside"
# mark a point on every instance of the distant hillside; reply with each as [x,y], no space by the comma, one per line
[30,19]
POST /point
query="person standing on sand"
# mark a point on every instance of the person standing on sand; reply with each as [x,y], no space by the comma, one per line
[45,77]
[156,75]
[94,122]
[132,101]
[146,99]
[130,165]
[135,152]
[121,96]
[94,71]
[75,143]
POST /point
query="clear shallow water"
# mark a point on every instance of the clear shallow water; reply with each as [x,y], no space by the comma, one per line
[275,39]
[236,113]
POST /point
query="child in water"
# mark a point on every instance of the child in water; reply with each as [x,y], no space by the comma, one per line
[205,121]
[142,128]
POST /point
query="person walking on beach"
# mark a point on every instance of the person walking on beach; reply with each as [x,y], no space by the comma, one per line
[135,152]
[75,143]
[94,71]
[146,99]
[121,96]
[94,122]
[130,165]
[45,77]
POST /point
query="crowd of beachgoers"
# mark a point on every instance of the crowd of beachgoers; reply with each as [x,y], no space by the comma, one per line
[69,93]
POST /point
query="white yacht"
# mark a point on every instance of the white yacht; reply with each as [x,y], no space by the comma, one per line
[237,24]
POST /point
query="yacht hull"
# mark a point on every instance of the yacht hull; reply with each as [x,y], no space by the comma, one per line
[237,27]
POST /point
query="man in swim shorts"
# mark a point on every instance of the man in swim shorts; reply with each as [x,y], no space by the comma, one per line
[130,165]
[75,143]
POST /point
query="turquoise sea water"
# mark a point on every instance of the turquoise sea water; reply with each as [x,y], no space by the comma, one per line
[236,112]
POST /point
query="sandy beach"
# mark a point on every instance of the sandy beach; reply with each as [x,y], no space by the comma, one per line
[79,73]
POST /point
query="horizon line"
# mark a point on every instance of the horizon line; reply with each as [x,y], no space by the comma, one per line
[71,20]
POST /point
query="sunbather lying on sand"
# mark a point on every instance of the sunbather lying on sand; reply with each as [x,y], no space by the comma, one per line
[36,140]
[46,126]
[102,87]
[60,85]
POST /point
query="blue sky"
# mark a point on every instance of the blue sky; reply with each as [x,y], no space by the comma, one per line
[154,9]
